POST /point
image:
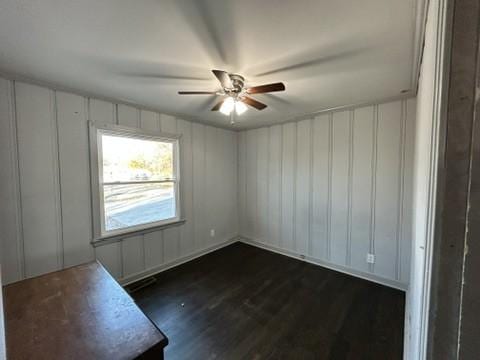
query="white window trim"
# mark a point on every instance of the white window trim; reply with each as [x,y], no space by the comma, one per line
[96,130]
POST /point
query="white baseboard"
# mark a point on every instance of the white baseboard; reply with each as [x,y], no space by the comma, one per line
[163,267]
[366,276]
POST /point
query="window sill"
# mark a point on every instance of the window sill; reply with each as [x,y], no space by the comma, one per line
[108,239]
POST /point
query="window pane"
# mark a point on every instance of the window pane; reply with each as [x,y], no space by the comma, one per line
[137,204]
[130,159]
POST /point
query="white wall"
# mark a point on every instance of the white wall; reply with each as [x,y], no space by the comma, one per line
[45,212]
[333,189]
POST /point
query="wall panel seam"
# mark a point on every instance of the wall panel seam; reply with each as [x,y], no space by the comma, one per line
[330,179]
[192,189]
[177,230]
[204,173]
[18,187]
[142,240]
[86,106]
[119,245]
[350,184]
[245,184]
[93,221]
[280,190]
[241,184]
[57,179]
[295,175]
[237,185]
[239,210]
[194,237]
[267,205]
[374,185]
[310,189]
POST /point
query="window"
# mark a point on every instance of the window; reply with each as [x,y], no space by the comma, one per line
[138,180]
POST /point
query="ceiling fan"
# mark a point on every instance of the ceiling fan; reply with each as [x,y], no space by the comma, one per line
[236,94]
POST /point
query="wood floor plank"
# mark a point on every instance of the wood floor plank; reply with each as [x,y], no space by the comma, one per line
[241,302]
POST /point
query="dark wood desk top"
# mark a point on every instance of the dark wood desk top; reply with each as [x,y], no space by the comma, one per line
[76,313]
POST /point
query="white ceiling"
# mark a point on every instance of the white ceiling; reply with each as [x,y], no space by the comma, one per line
[328,53]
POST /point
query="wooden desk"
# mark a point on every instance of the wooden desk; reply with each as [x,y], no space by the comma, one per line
[77,313]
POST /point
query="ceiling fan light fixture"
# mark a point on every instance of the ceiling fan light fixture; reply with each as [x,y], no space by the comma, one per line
[236,94]
[240,107]
[227,106]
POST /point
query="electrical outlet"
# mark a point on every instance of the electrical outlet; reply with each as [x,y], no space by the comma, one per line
[370,258]
[212,232]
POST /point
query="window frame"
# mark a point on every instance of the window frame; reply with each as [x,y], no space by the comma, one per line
[96,130]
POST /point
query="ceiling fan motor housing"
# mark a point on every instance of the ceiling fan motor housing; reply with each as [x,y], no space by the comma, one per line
[238,82]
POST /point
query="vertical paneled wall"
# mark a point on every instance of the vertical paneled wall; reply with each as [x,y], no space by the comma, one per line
[46,217]
[333,189]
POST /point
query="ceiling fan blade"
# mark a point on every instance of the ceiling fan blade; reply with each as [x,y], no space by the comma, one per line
[196,92]
[266,88]
[224,78]
[218,105]
[254,103]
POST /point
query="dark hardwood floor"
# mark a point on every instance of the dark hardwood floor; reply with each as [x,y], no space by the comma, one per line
[242,302]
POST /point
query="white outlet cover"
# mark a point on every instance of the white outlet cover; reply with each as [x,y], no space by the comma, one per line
[370,258]
[212,232]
